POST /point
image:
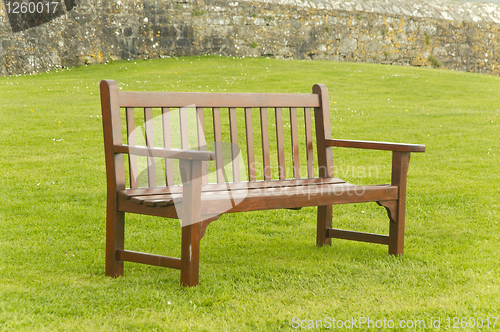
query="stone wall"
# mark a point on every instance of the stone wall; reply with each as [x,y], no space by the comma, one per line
[458,36]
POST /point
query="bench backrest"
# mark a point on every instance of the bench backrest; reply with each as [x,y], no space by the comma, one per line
[261,125]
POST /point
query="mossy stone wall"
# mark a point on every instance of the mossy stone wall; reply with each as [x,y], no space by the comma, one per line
[403,32]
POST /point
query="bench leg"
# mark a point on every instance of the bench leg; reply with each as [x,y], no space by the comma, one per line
[400,164]
[190,251]
[397,233]
[324,222]
[115,222]
[191,222]
[190,255]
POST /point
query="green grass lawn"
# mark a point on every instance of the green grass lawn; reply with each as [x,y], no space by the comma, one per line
[259,271]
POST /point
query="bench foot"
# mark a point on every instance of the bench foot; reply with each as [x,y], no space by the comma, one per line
[115,223]
[324,220]
[396,227]
[190,254]
[396,239]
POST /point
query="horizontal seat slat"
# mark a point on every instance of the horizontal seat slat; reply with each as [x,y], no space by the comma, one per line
[293,197]
[127,193]
[335,189]
[205,99]
[158,201]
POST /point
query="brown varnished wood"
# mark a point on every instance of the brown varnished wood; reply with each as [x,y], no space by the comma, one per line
[143,258]
[148,124]
[183,119]
[234,144]
[221,100]
[198,203]
[219,162]
[250,145]
[217,202]
[266,155]
[357,236]
[164,153]
[293,197]
[202,143]
[295,142]
[191,221]
[400,164]
[324,217]
[157,200]
[281,144]
[167,144]
[323,132]
[125,205]
[190,254]
[127,193]
[132,159]
[325,160]
[376,145]
[115,176]
[309,142]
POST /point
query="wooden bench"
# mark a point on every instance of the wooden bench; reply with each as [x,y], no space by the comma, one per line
[180,183]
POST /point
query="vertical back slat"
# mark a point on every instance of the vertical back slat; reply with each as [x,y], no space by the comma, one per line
[148,124]
[323,132]
[219,162]
[281,144]
[295,142]
[132,159]
[265,143]
[250,147]
[202,143]
[184,128]
[234,144]
[167,144]
[309,142]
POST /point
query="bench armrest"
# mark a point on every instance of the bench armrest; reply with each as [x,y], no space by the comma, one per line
[397,147]
[165,153]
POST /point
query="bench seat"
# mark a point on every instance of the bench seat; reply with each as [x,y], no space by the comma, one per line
[246,196]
